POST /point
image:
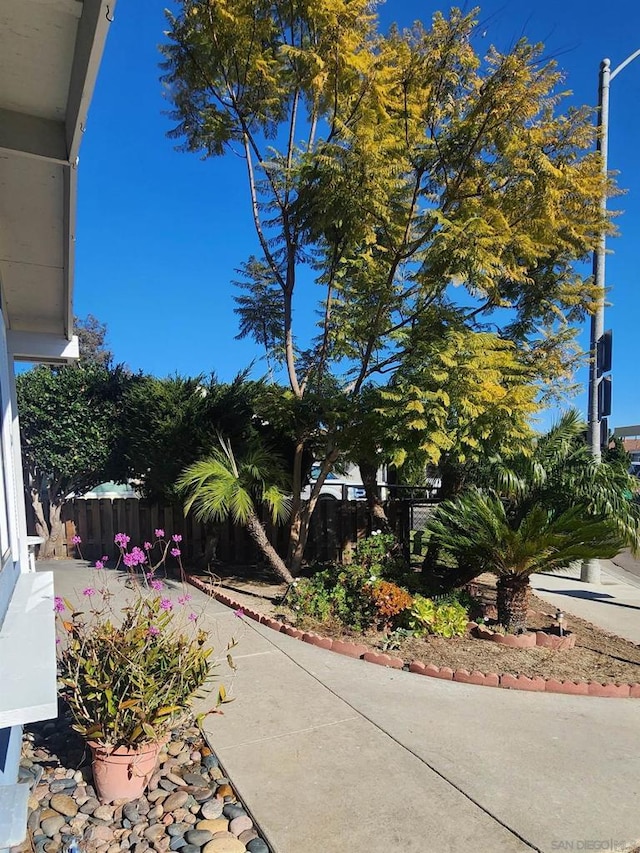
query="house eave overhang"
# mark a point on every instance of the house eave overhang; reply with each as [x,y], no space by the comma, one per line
[43,115]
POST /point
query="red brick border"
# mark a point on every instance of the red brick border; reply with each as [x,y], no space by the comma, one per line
[506,680]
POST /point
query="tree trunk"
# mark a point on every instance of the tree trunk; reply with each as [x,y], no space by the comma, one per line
[452,480]
[369,473]
[513,593]
[56,528]
[275,561]
[296,502]
[301,519]
[42,528]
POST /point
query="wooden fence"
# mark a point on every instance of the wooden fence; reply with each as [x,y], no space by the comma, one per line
[336,527]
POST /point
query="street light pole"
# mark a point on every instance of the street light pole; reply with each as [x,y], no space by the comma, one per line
[597,318]
[590,571]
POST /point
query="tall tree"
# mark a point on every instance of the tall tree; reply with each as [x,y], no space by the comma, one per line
[402,172]
[69,423]
[92,339]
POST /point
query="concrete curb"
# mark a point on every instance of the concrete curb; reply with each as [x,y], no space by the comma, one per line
[505,680]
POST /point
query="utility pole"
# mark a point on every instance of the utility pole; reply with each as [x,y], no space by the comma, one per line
[590,571]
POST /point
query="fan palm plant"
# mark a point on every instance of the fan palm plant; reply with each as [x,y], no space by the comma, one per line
[476,530]
[221,486]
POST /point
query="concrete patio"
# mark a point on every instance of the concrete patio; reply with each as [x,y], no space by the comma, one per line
[334,754]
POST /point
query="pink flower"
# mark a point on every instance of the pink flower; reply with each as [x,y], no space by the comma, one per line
[147,546]
[153,631]
[99,564]
[175,552]
[159,533]
[239,612]
[136,558]
[58,604]
[157,585]
[121,540]
[76,540]
[165,604]
[176,537]
[105,558]
[89,591]
[193,617]
[184,598]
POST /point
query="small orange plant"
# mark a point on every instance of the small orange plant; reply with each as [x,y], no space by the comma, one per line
[389,600]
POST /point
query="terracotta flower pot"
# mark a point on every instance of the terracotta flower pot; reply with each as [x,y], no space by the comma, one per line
[123,773]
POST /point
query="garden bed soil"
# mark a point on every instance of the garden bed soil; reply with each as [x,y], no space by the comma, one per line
[597,656]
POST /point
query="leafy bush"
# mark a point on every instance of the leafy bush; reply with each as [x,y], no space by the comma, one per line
[444,618]
[335,592]
[381,555]
[450,620]
[389,600]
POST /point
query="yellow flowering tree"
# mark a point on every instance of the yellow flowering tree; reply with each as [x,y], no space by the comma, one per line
[403,174]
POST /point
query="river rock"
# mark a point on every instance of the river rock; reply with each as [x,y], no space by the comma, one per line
[104,813]
[196,779]
[157,795]
[99,833]
[199,836]
[64,804]
[154,832]
[224,843]
[175,800]
[90,805]
[232,810]
[213,809]
[178,828]
[51,825]
[257,846]
[225,791]
[239,824]
[220,824]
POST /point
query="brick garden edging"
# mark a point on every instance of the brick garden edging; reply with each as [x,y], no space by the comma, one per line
[462,676]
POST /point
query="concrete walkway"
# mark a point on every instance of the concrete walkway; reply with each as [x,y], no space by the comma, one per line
[614,604]
[334,755]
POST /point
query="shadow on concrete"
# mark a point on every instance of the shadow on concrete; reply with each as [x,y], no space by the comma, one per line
[588,595]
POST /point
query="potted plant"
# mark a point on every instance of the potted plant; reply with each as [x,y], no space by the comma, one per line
[129,674]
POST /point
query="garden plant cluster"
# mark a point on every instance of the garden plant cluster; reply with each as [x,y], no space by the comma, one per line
[377,591]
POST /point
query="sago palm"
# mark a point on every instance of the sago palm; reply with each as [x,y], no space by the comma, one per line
[222,486]
[477,531]
[561,473]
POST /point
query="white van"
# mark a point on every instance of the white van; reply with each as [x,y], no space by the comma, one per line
[347,484]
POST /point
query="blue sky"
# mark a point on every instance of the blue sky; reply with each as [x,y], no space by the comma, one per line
[160,233]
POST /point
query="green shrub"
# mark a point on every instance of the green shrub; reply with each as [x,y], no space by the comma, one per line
[423,614]
[335,592]
[442,618]
[450,620]
[379,556]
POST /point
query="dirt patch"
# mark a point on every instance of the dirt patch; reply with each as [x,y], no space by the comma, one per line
[597,656]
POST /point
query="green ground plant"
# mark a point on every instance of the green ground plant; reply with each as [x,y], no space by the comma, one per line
[447,618]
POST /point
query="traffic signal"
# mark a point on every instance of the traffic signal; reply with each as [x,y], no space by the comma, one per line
[604,397]
[604,433]
[604,352]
